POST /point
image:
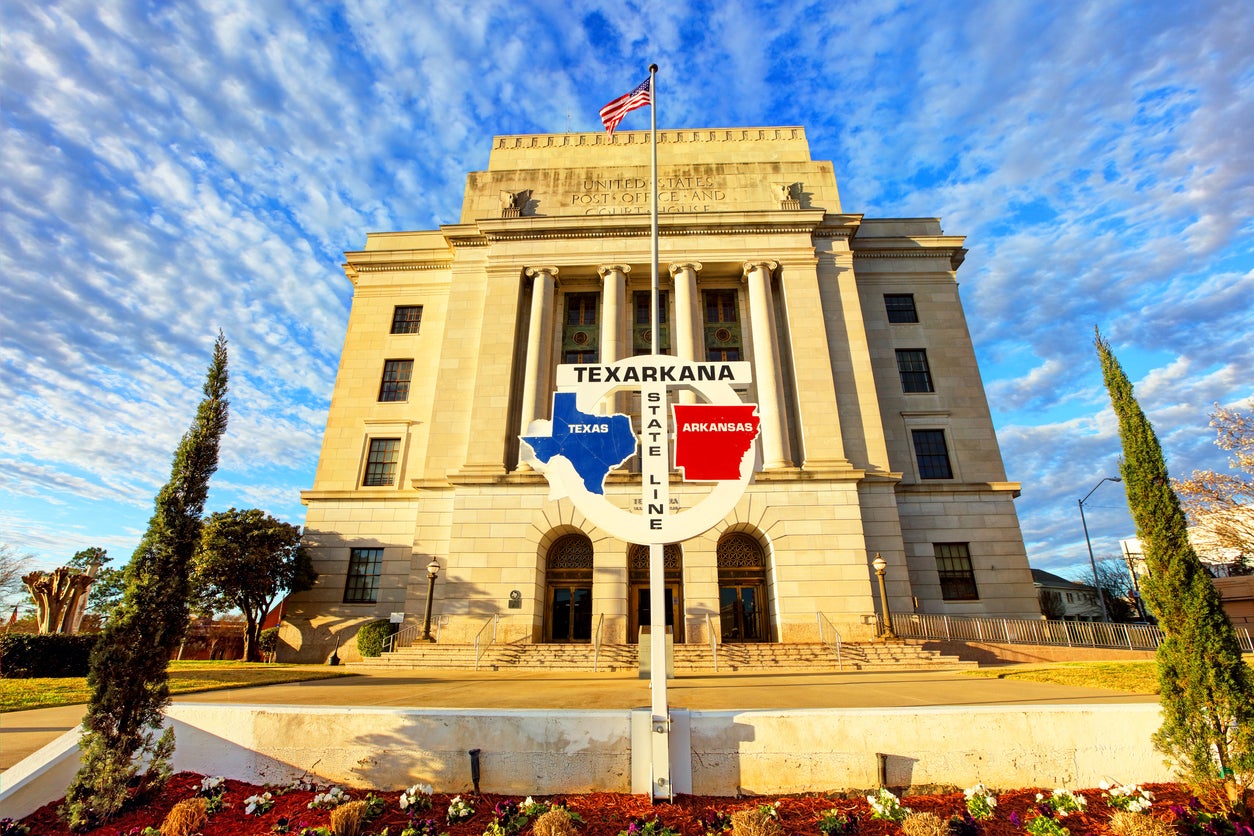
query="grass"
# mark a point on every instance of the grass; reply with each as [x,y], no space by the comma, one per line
[185,678]
[1132,677]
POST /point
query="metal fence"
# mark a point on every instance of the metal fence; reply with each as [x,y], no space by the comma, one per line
[1038,631]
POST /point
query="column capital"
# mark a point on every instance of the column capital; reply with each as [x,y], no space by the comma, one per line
[532,272]
[766,264]
[606,269]
[694,266]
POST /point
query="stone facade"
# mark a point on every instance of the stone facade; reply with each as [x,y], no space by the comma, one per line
[876,434]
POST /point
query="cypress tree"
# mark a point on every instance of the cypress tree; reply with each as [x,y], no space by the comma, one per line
[128,678]
[1207,692]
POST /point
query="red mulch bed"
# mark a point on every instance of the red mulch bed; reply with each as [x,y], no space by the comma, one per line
[604,814]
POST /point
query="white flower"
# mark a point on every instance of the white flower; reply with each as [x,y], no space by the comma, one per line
[418,796]
[208,785]
[255,805]
[1064,802]
[331,798]
[1129,797]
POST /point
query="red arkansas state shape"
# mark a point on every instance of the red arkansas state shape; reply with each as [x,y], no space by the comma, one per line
[712,439]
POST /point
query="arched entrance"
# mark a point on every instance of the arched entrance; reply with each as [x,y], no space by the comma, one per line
[638,609]
[742,589]
[568,590]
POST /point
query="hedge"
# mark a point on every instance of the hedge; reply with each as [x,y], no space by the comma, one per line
[25,655]
[370,637]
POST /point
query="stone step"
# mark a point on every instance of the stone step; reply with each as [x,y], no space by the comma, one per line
[688,658]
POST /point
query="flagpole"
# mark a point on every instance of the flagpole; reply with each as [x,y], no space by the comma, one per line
[660,756]
[654,319]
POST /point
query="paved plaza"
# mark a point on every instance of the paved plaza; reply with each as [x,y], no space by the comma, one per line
[23,732]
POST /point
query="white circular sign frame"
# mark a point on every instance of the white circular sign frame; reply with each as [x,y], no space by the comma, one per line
[626,525]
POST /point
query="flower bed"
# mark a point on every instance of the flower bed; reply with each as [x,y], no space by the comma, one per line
[306,807]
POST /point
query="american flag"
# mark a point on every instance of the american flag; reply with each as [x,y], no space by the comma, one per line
[614,112]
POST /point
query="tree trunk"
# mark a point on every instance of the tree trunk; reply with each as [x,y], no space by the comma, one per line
[252,639]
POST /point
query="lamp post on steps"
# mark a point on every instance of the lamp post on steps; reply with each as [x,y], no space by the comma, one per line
[433,571]
[881,567]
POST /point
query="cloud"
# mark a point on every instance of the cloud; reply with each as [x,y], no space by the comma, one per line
[176,170]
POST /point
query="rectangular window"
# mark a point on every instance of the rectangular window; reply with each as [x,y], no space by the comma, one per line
[722,325]
[581,309]
[643,300]
[900,307]
[932,454]
[396,375]
[720,306]
[581,335]
[641,332]
[915,374]
[364,566]
[381,462]
[406,319]
[957,577]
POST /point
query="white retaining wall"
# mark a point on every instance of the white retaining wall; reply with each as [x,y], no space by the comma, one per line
[536,752]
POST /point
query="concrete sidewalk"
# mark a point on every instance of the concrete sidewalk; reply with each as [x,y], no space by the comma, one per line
[24,732]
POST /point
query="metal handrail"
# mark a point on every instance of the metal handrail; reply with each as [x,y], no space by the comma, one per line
[479,653]
[596,642]
[1038,631]
[401,638]
[709,629]
[835,644]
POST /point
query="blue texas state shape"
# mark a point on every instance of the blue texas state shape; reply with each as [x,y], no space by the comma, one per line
[593,444]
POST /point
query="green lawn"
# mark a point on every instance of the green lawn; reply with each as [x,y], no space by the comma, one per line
[185,677]
[1134,677]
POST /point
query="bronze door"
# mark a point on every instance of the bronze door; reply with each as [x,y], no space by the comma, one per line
[570,614]
[740,612]
[641,614]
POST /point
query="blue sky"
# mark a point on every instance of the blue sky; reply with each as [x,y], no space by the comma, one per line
[167,170]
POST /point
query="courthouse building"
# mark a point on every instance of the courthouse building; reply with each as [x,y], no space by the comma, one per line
[876,436]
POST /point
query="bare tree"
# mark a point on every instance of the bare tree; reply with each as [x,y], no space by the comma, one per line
[13,565]
[1051,604]
[1220,506]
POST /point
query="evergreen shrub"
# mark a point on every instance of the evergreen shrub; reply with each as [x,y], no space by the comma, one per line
[28,655]
[370,637]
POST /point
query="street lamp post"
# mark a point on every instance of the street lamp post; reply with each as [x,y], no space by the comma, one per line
[1101,598]
[880,566]
[433,569]
[1136,587]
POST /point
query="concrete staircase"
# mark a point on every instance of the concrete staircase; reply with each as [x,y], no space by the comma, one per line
[690,659]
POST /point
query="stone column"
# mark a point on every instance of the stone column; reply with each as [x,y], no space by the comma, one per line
[539,343]
[613,302]
[687,309]
[757,274]
[687,317]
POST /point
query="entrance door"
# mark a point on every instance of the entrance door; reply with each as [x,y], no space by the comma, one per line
[568,590]
[742,601]
[642,612]
[740,611]
[570,614]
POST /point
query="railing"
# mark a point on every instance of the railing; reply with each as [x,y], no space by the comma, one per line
[709,629]
[491,622]
[832,643]
[1038,631]
[401,638]
[596,642]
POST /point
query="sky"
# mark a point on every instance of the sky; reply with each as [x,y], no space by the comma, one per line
[169,170]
